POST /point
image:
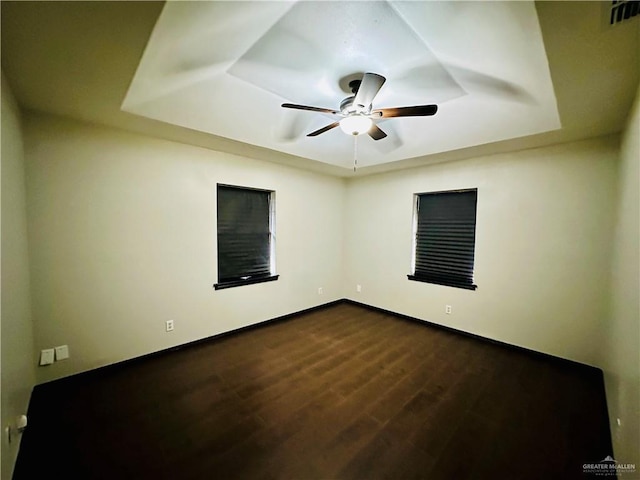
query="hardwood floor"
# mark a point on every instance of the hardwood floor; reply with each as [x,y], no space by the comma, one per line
[342,392]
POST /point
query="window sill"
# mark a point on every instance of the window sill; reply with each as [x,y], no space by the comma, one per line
[248,281]
[446,283]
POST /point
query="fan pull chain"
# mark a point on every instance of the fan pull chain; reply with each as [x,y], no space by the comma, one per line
[355,152]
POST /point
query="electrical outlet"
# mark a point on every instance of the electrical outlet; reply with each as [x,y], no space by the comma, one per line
[320,291]
[62,352]
[169,326]
[358,288]
[46,356]
[447,309]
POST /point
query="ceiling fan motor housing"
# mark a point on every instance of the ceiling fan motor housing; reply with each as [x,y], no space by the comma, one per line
[347,107]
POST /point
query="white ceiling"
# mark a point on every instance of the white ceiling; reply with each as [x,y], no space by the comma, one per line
[506,75]
[226,67]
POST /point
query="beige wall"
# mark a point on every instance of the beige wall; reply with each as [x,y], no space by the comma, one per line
[18,359]
[621,357]
[542,246]
[123,238]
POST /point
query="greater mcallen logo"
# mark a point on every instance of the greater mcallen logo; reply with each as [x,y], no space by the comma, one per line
[608,466]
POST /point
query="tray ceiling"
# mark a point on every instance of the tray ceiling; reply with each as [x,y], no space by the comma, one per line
[226,67]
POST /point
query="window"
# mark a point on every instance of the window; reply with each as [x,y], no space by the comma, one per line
[444,238]
[246,246]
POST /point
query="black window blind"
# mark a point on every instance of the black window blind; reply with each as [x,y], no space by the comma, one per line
[445,238]
[244,238]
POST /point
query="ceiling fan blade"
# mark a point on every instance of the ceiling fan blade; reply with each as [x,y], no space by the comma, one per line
[376,132]
[414,111]
[323,129]
[369,88]
[312,109]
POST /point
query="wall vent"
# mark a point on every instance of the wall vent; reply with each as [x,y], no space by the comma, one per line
[621,10]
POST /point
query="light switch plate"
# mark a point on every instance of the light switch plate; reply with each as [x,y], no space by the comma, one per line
[62,352]
[46,356]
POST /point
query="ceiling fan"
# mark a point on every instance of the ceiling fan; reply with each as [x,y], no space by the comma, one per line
[357,113]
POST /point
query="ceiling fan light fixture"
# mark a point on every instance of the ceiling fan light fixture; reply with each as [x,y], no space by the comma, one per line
[355,124]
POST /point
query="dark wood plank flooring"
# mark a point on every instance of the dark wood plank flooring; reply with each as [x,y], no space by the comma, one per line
[342,392]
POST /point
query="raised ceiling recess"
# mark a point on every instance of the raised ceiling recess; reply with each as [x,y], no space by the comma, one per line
[227,67]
